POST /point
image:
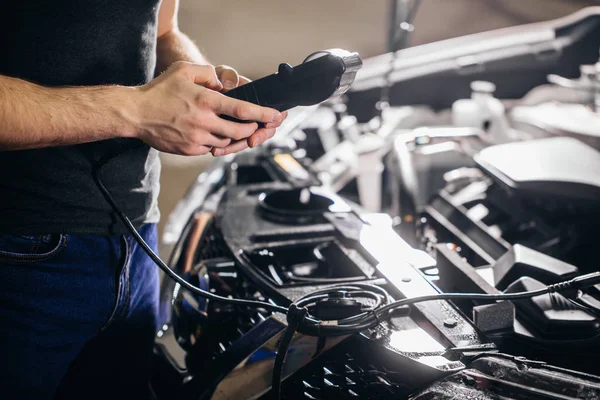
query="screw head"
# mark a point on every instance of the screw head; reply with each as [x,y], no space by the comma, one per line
[450,323]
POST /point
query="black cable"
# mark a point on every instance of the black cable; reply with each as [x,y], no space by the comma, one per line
[372,318]
[585,308]
[363,293]
[583,304]
[291,277]
[363,289]
[161,264]
[294,317]
[349,287]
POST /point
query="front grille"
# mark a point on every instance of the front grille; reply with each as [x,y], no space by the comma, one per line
[344,373]
[227,323]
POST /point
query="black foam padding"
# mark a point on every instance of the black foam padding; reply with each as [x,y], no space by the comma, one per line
[552,316]
[494,317]
[522,261]
[559,167]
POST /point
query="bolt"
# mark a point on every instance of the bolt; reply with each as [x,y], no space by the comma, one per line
[450,323]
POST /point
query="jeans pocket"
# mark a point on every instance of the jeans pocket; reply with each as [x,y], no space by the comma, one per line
[30,248]
[121,295]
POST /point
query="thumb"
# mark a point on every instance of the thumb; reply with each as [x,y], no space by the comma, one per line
[204,75]
[228,76]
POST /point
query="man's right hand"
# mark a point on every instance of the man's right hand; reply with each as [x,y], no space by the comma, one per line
[178,112]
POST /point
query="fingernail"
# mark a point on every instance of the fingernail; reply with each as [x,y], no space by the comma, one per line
[270,125]
[277,117]
[218,152]
[228,84]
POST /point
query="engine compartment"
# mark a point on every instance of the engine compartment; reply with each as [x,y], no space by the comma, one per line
[441,190]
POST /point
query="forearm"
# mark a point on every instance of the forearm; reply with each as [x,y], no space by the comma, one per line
[33,116]
[176,46]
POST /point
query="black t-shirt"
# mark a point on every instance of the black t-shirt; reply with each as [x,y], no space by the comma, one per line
[78,43]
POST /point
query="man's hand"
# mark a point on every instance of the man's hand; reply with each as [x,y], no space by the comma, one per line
[173,45]
[231,79]
[179,112]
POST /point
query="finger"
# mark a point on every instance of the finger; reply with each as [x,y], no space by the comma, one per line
[228,77]
[234,147]
[190,151]
[202,150]
[243,110]
[243,80]
[271,125]
[202,137]
[213,140]
[204,75]
[229,129]
[260,136]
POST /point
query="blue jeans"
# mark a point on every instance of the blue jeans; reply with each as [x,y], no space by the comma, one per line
[78,315]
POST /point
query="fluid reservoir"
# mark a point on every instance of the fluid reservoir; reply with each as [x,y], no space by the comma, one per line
[483,111]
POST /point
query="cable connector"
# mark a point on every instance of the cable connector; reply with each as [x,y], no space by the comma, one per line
[295,314]
[580,282]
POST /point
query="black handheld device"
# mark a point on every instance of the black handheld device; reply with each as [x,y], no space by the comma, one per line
[323,75]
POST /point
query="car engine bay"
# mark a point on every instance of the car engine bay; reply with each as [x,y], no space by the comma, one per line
[470,165]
